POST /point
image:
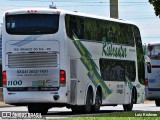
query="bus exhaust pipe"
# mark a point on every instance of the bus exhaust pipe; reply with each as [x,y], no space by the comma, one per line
[56,97]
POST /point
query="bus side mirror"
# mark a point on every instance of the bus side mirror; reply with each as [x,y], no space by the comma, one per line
[149,67]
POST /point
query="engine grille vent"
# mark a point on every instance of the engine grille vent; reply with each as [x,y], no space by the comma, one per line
[32,60]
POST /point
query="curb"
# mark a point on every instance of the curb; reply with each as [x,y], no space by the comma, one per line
[2,104]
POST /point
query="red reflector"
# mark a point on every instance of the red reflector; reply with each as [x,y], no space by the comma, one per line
[31,11]
[146,82]
[6,13]
[62,77]
[58,12]
[4,77]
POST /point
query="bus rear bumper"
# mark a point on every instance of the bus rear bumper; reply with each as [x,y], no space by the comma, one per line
[34,97]
[152,95]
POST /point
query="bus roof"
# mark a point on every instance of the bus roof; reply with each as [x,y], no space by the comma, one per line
[153,43]
[49,10]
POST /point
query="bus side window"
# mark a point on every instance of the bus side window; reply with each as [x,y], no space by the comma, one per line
[80,28]
[149,67]
[72,26]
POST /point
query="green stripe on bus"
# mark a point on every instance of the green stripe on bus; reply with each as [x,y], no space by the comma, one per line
[91,66]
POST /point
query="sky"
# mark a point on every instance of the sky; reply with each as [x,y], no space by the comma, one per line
[140,12]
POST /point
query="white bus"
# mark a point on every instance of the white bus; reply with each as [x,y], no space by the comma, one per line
[152,89]
[56,58]
[1,57]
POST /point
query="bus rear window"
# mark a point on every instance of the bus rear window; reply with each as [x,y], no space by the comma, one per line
[32,24]
[153,52]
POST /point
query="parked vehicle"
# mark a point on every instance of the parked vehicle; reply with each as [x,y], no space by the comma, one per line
[152,87]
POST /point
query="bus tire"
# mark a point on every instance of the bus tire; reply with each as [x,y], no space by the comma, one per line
[134,95]
[76,109]
[157,102]
[89,100]
[129,107]
[98,102]
[37,109]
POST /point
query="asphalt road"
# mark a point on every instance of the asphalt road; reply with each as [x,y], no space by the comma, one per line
[64,112]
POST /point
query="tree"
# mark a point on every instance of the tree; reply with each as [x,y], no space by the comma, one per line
[156,5]
[144,48]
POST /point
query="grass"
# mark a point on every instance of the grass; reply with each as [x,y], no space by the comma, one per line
[118,116]
[109,118]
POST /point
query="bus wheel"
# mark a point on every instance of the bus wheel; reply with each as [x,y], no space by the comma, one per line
[134,95]
[157,103]
[129,107]
[98,102]
[77,109]
[37,109]
[89,100]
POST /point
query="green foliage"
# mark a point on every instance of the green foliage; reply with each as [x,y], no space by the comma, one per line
[156,5]
[144,48]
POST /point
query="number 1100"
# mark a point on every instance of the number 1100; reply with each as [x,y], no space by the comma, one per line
[14,83]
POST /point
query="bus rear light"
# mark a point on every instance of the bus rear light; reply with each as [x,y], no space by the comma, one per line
[146,82]
[4,77]
[59,12]
[62,77]
[31,11]
[6,13]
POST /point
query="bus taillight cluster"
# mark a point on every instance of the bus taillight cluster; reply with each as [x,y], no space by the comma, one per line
[62,77]
[4,77]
